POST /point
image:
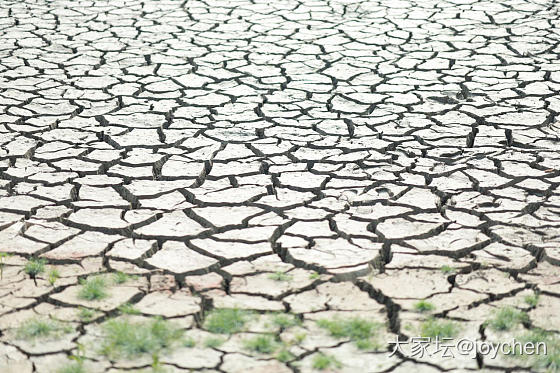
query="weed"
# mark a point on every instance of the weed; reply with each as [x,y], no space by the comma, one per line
[285,321]
[189,342]
[280,276]
[506,318]
[532,300]
[284,355]
[547,350]
[3,256]
[314,276]
[130,339]
[53,275]
[213,342]
[34,266]
[263,344]
[322,361]
[129,309]
[86,314]
[358,330]
[433,328]
[447,269]
[424,306]
[41,328]
[226,320]
[73,367]
[94,288]
[300,338]
[120,277]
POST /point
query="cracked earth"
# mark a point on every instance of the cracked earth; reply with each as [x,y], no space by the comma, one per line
[320,159]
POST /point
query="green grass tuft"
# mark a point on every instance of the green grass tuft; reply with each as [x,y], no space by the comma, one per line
[433,328]
[358,330]
[73,367]
[424,306]
[213,342]
[263,344]
[41,328]
[506,318]
[128,309]
[447,269]
[94,288]
[532,300]
[314,276]
[35,266]
[226,320]
[322,361]
[124,338]
[189,342]
[53,275]
[280,276]
[284,356]
[120,277]
[285,321]
[86,314]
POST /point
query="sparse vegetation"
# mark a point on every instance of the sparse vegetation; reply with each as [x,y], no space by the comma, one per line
[285,321]
[447,269]
[284,355]
[189,342]
[280,276]
[86,314]
[532,300]
[433,328]
[124,338]
[423,306]
[53,275]
[547,350]
[120,277]
[226,320]
[323,361]
[129,309]
[34,266]
[3,256]
[213,342]
[73,367]
[94,288]
[506,318]
[37,328]
[358,330]
[263,344]
[314,276]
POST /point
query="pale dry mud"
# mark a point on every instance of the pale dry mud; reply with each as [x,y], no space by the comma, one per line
[203,146]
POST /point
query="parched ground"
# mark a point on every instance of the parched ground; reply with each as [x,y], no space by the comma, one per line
[289,185]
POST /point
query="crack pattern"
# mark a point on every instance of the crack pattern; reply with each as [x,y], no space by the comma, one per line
[359,147]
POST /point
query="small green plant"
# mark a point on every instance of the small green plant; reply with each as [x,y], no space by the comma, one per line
[433,328]
[506,318]
[226,320]
[213,342]
[124,338]
[447,269]
[314,276]
[189,342]
[300,337]
[36,328]
[280,276]
[263,344]
[358,330]
[34,266]
[532,300]
[94,288]
[86,314]
[3,256]
[120,277]
[53,275]
[424,306]
[128,309]
[323,361]
[284,355]
[285,321]
[546,347]
[73,367]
